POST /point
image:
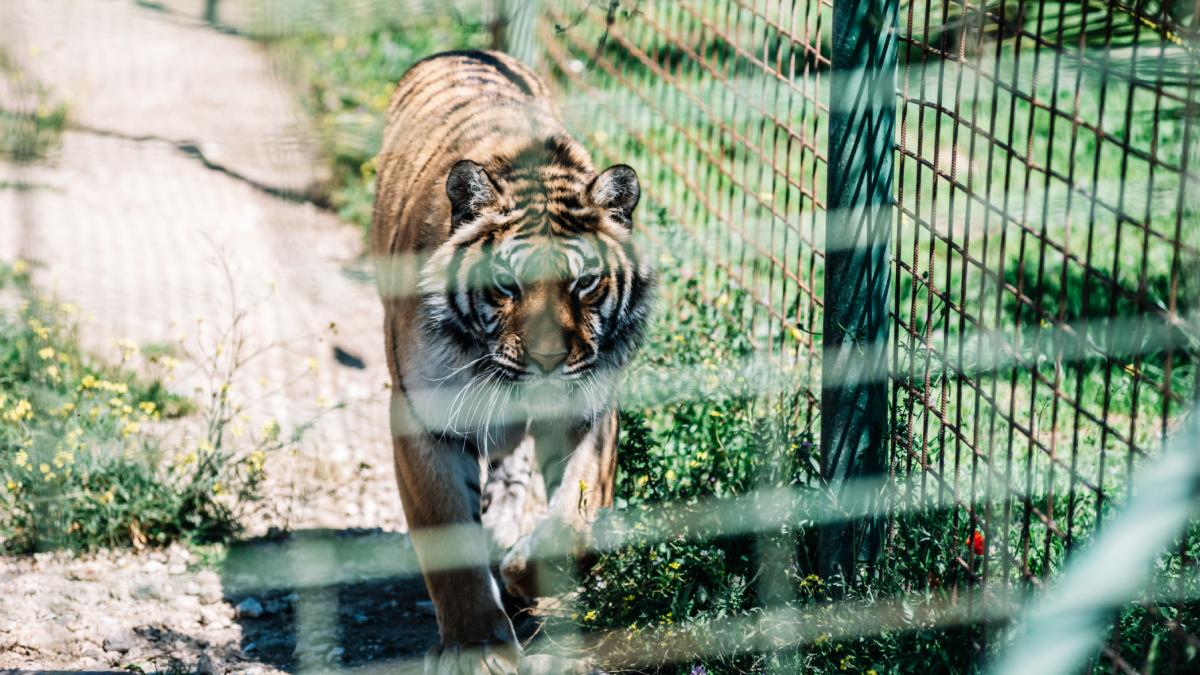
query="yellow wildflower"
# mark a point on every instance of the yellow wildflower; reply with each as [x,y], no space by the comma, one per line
[11,485]
[675,565]
[52,372]
[44,467]
[216,488]
[21,459]
[67,309]
[88,382]
[147,407]
[46,353]
[270,430]
[130,428]
[128,347]
[670,475]
[20,267]
[311,363]
[39,329]
[590,616]
[107,497]
[23,410]
[256,460]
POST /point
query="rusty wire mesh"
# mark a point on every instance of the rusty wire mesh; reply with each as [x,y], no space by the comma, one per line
[1044,255]
[1044,269]
[721,105]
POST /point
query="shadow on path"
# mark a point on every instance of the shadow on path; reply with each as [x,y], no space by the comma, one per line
[329,598]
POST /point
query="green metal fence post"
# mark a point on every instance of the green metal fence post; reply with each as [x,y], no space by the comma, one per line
[854,366]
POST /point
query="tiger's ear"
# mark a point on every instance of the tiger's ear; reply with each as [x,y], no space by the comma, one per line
[617,189]
[470,189]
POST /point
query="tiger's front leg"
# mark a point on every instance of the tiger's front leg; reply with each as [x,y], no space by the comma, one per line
[439,488]
[578,466]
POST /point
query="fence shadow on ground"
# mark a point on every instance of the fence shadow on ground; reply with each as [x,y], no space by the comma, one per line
[367,606]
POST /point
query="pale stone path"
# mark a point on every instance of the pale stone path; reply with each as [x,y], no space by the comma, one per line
[186,151]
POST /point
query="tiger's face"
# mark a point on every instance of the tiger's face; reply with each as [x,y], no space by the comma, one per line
[540,283]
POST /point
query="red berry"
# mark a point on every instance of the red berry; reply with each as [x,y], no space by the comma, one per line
[976,543]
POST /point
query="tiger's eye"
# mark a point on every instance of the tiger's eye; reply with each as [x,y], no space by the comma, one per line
[586,283]
[506,283]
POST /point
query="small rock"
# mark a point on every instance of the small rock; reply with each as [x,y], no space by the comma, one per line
[249,609]
[187,603]
[204,665]
[152,566]
[210,616]
[334,655]
[210,595]
[119,641]
[176,568]
[147,592]
[84,574]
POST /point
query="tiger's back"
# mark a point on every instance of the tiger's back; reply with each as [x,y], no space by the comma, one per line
[476,105]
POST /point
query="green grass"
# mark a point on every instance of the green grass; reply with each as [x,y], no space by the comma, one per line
[31,121]
[347,74]
[80,464]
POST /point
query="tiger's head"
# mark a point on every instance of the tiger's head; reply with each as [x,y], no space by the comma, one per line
[539,282]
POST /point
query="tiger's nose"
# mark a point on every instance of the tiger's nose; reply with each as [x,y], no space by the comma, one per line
[547,362]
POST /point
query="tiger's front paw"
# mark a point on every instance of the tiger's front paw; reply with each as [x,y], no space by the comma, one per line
[519,570]
[538,564]
[485,659]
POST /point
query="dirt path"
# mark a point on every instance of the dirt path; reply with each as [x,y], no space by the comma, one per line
[186,153]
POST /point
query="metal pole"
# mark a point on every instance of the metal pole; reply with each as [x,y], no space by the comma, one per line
[858,224]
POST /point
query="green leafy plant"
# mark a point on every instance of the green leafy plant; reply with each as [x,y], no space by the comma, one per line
[80,466]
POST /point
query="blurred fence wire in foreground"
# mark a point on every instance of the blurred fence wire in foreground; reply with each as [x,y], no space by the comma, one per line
[978,221]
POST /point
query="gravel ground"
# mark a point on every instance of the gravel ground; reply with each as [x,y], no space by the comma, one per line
[186,154]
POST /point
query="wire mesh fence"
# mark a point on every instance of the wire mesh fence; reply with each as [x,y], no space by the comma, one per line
[1044,270]
[1043,281]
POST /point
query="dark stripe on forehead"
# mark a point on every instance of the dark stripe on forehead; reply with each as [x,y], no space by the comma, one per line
[574,224]
[489,60]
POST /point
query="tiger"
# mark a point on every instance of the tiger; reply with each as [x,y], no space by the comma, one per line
[514,295]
